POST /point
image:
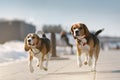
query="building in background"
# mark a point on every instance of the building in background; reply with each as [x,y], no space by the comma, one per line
[14,30]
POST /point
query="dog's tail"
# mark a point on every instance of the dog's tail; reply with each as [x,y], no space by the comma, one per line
[98,32]
[41,34]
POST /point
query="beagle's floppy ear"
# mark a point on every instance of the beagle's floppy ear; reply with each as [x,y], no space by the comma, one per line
[86,31]
[72,32]
[26,47]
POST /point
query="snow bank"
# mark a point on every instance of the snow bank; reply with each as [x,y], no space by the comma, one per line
[11,51]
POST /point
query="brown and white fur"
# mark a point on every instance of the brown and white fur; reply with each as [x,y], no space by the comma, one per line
[86,43]
[39,48]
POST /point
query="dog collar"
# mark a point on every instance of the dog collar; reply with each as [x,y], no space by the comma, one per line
[80,40]
[84,44]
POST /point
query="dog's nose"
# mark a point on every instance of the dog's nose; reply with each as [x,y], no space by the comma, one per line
[29,40]
[77,33]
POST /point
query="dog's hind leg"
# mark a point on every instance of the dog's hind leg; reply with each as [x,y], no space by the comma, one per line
[94,64]
[95,58]
[41,61]
[46,63]
[90,55]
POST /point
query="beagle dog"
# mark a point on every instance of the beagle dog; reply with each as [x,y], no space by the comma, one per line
[39,48]
[86,43]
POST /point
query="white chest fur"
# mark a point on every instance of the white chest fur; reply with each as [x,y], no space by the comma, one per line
[35,51]
[84,46]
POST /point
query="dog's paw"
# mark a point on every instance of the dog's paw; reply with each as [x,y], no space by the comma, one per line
[37,65]
[45,69]
[93,69]
[85,63]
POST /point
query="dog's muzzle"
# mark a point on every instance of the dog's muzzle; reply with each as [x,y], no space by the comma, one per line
[29,42]
[77,33]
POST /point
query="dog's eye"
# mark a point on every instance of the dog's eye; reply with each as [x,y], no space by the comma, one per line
[33,37]
[80,28]
[74,28]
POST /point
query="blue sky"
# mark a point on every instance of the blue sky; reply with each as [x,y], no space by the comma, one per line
[95,14]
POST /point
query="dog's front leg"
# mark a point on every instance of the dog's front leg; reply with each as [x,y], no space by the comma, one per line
[86,58]
[38,59]
[89,60]
[79,62]
[30,63]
